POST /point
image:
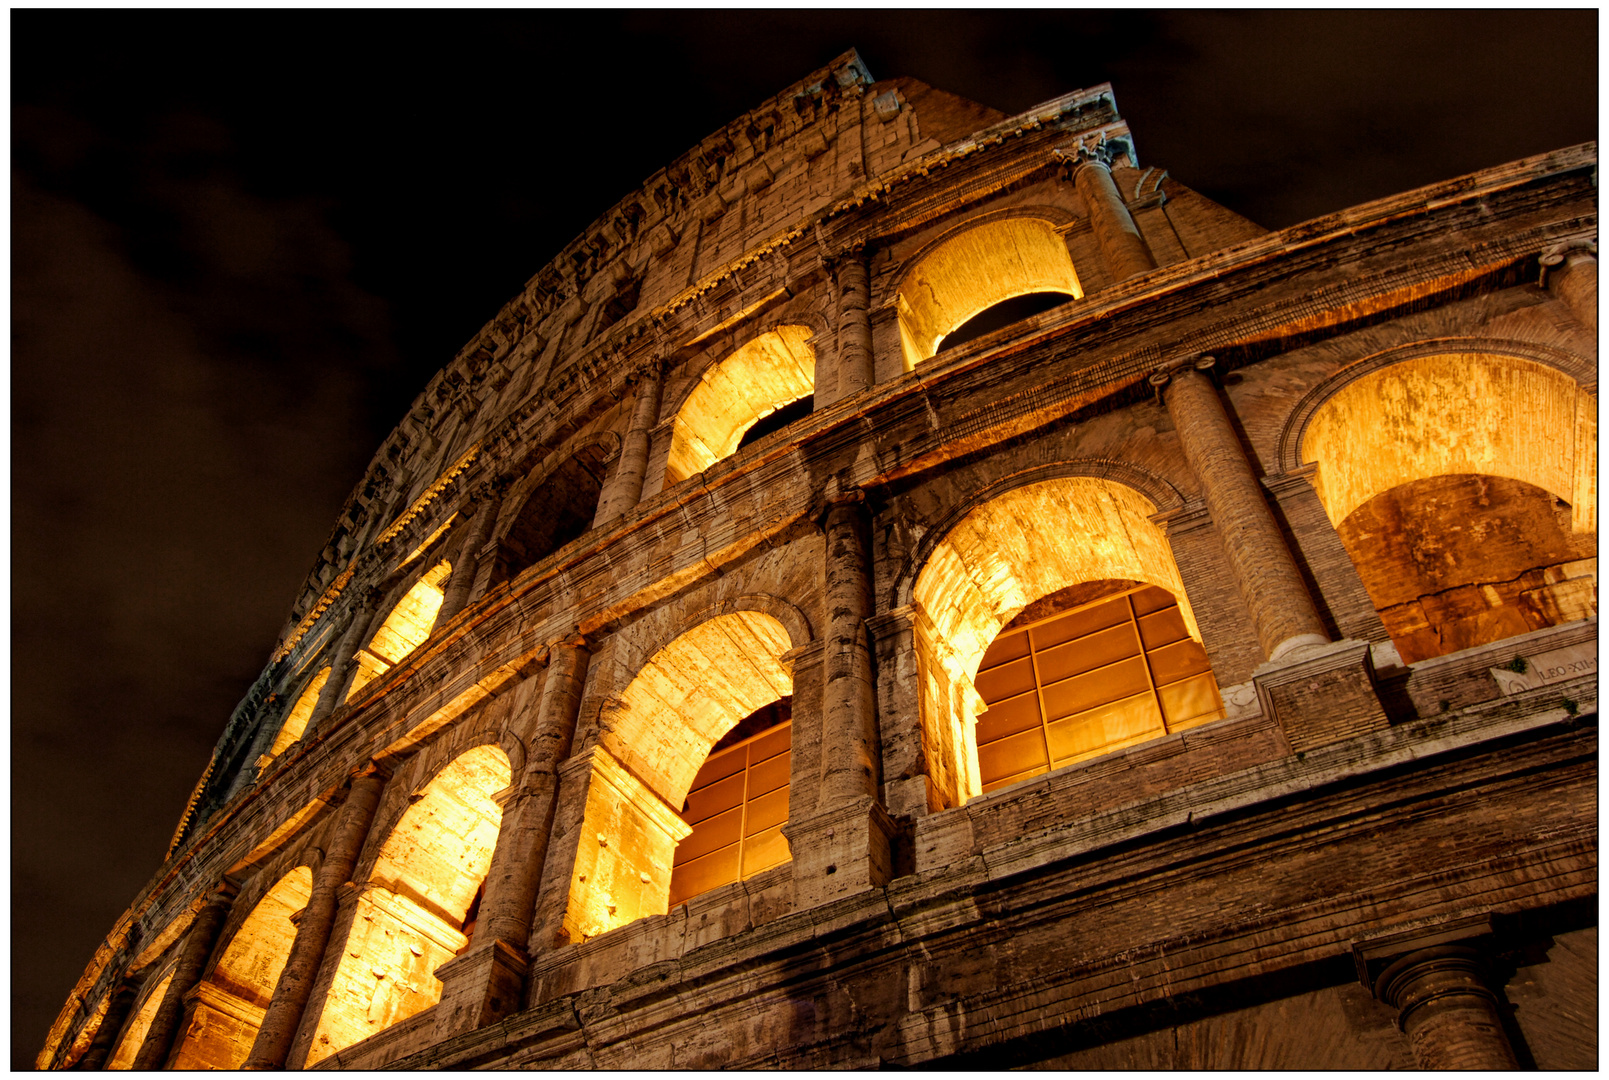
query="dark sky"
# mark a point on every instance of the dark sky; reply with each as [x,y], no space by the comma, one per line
[242,242]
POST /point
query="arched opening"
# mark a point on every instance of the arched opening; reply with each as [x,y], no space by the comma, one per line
[296,722]
[128,1047]
[410,916]
[1000,316]
[690,694]
[975,270]
[1052,627]
[773,370]
[230,1001]
[404,630]
[1464,487]
[560,510]
[737,806]
[1084,671]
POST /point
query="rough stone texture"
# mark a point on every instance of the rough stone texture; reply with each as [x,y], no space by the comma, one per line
[1192,901]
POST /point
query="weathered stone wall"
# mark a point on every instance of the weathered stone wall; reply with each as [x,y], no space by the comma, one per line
[1226,895]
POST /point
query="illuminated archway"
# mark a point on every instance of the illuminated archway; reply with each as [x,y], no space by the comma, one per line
[128,1047]
[1464,487]
[975,270]
[231,1000]
[773,370]
[296,722]
[687,696]
[404,630]
[1031,542]
[410,917]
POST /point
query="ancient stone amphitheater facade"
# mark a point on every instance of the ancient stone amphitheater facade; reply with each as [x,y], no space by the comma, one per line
[922,587]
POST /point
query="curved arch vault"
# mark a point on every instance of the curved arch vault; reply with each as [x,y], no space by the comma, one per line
[1029,543]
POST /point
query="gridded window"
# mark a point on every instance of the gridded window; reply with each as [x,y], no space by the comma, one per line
[737,807]
[1089,679]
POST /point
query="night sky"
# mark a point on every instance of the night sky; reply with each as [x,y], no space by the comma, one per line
[243,242]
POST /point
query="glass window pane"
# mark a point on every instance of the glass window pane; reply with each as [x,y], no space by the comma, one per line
[720,765]
[1096,730]
[1013,754]
[717,798]
[770,743]
[1193,701]
[1162,627]
[1087,653]
[1006,647]
[769,775]
[1096,688]
[1085,621]
[1005,681]
[765,850]
[1178,661]
[702,875]
[766,811]
[1151,598]
[718,831]
[1008,717]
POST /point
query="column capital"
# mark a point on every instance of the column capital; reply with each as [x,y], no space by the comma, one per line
[1374,954]
[376,770]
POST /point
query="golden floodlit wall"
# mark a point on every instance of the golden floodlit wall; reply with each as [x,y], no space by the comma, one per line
[685,698]
[760,377]
[971,272]
[897,740]
[409,918]
[1458,413]
[1002,556]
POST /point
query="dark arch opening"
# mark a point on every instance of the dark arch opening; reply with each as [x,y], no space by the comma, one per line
[558,511]
[794,410]
[1002,315]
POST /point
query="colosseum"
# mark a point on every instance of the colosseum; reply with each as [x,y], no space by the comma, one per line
[912,586]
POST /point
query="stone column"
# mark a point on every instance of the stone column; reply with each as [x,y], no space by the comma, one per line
[624,488]
[1447,1009]
[1259,562]
[849,732]
[1571,271]
[342,662]
[486,983]
[117,1010]
[1119,238]
[844,847]
[855,369]
[198,945]
[347,836]
[461,583]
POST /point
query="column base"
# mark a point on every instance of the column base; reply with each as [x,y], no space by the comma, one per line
[480,988]
[840,852]
[1322,694]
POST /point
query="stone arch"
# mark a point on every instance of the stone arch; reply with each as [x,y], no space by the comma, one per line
[657,734]
[633,656]
[757,378]
[554,505]
[296,720]
[128,1044]
[231,1000]
[1026,538]
[970,269]
[1418,409]
[1162,495]
[404,628]
[1463,484]
[410,915]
